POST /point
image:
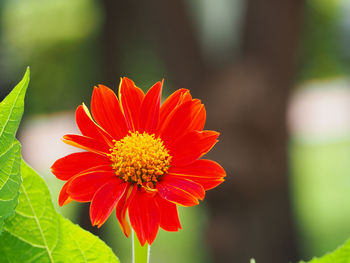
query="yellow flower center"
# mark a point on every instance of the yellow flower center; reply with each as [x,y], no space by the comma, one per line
[140,158]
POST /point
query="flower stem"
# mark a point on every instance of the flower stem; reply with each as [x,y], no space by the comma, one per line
[139,254]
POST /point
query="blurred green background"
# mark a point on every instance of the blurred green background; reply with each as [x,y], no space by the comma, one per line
[73,45]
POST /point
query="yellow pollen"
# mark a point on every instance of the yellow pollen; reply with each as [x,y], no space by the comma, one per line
[140,158]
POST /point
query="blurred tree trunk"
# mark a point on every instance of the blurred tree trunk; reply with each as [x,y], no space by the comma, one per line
[246,102]
[110,40]
[251,213]
[178,44]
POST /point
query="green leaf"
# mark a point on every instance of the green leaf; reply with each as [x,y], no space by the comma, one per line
[11,110]
[37,233]
[340,255]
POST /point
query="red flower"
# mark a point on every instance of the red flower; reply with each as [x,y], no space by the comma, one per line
[140,157]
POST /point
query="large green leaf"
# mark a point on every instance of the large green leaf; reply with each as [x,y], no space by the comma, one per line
[341,255]
[37,233]
[11,110]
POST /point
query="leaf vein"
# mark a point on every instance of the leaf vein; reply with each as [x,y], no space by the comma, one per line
[77,244]
[22,239]
[23,214]
[38,224]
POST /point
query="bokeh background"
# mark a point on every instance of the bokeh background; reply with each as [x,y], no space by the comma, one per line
[274,76]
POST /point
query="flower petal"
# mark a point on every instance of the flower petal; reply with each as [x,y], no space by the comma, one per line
[89,128]
[144,217]
[86,143]
[180,191]
[192,146]
[83,186]
[122,207]
[170,103]
[185,118]
[149,112]
[205,172]
[64,197]
[199,119]
[107,112]
[189,186]
[169,218]
[130,98]
[105,200]
[74,163]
